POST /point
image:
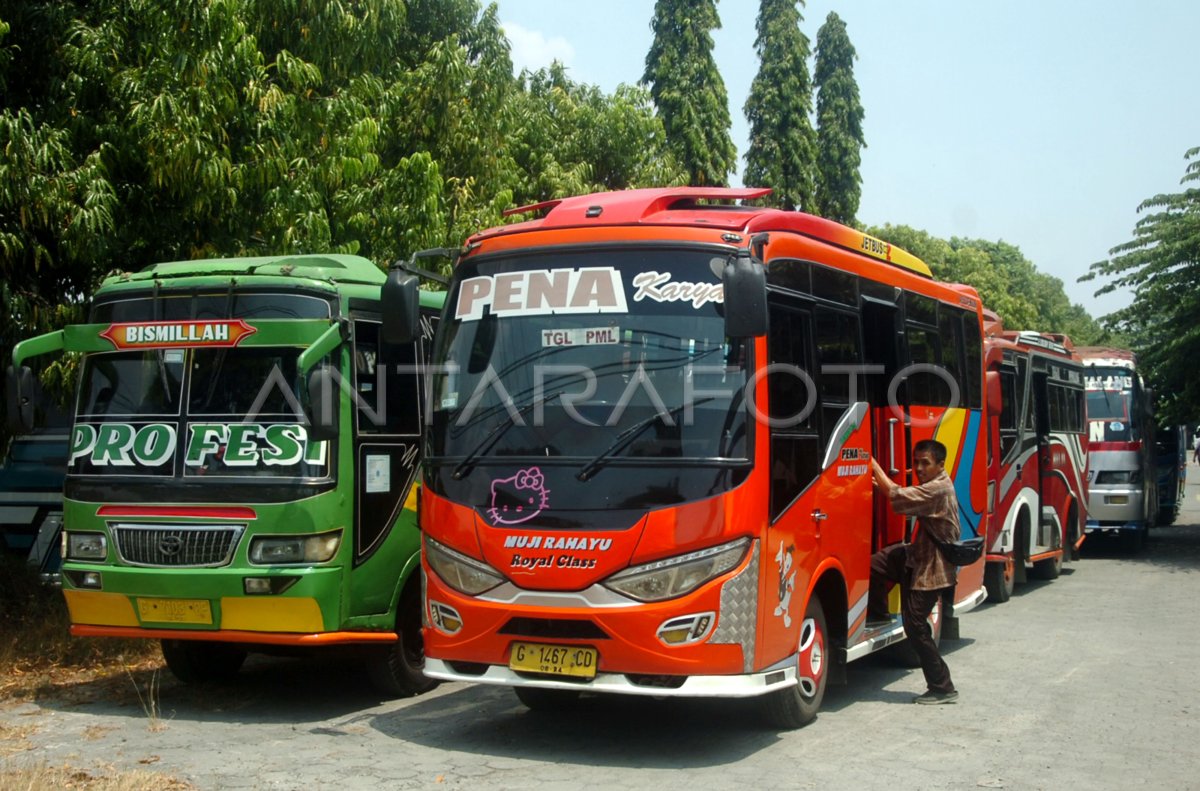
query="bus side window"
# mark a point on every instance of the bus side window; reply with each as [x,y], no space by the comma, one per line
[388,395]
[1009,411]
[838,340]
[795,445]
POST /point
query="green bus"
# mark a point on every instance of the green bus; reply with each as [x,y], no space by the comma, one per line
[242,472]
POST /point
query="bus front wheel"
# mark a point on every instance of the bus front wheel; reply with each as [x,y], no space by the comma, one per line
[795,707]
[398,669]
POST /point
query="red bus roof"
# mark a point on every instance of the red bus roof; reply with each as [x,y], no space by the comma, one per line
[698,207]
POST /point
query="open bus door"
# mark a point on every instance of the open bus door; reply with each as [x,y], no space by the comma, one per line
[882,334]
[1046,546]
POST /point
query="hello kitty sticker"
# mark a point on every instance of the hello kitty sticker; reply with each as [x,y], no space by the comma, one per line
[519,498]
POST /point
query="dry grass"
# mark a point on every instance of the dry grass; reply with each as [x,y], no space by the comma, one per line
[37,652]
[39,659]
[99,778]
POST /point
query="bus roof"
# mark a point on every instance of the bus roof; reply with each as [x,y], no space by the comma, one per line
[1107,356]
[707,207]
[330,268]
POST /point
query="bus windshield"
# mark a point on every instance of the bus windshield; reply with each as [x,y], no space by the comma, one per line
[588,363]
[218,413]
[1108,405]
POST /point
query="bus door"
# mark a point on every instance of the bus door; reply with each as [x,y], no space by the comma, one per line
[882,334]
[387,427]
[1040,394]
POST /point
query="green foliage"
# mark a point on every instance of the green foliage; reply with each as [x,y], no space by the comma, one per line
[1008,283]
[1161,266]
[571,139]
[688,90]
[782,153]
[155,130]
[839,124]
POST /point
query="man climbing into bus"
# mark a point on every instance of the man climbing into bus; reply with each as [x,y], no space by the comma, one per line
[924,575]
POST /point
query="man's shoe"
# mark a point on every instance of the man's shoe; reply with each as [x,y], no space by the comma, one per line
[878,622]
[931,698]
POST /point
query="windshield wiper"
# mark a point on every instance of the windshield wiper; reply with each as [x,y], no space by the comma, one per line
[627,436]
[468,463]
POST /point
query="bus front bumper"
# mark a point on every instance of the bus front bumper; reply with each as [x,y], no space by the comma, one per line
[747,685]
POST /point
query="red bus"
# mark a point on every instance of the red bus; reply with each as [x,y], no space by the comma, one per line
[646,469]
[1038,456]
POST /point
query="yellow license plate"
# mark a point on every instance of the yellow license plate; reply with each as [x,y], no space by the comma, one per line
[175,610]
[1118,499]
[557,660]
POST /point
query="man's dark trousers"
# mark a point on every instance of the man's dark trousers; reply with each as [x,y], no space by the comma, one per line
[889,565]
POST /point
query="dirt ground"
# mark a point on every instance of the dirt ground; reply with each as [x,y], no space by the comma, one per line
[1086,682]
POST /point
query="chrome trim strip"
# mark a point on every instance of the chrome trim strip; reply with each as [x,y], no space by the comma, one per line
[742,686]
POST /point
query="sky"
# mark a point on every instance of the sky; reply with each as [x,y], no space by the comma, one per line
[1041,123]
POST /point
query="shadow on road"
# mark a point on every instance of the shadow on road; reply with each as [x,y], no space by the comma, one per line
[1176,548]
[267,690]
[601,730]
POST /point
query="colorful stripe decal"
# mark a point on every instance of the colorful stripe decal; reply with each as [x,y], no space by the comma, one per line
[966,464]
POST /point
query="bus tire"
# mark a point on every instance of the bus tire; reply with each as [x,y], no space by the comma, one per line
[1166,516]
[398,669]
[798,705]
[542,699]
[197,662]
[1000,579]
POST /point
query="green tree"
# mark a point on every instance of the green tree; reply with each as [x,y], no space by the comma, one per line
[1161,266]
[688,90]
[1009,284]
[782,153]
[839,124]
[569,139]
[57,205]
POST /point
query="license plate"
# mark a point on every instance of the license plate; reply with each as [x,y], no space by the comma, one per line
[1117,499]
[557,660]
[175,610]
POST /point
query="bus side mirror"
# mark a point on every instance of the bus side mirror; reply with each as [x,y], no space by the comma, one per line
[744,283]
[995,401]
[323,404]
[401,306]
[19,387]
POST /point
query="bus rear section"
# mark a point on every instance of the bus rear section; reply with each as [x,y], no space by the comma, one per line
[242,466]
[1038,456]
[647,467]
[1123,490]
[1171,460]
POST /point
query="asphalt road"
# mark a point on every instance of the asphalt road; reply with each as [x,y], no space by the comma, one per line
[1085,682]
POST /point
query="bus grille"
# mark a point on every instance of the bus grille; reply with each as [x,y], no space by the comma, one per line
[176,546]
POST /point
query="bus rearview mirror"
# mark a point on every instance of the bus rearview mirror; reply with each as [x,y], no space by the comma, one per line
[323,404]
[745,287]
[401,306]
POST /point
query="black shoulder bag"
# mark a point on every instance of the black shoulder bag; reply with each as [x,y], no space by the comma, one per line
[961,553]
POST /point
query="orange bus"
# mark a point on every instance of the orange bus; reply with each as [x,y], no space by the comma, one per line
[646,467]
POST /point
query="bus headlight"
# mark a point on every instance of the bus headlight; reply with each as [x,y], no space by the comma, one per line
[84,546]
[276,550]
[464,574]
[671,577]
